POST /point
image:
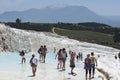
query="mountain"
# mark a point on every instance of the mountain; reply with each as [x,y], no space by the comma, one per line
[69,14]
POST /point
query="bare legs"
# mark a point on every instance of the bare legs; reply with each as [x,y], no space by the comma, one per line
[42,57]
[64,60]
[23,60]
[33,70]
[59,66]
[72,69]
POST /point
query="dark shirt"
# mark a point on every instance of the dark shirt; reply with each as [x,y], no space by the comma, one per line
[87,63]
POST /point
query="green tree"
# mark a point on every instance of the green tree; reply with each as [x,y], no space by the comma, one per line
[117,36]
[18,21]
[119,55]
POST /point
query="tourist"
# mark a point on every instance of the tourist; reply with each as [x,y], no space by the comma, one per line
[41,51]
[59,55]
[77,57]
[87,66]
[81,55]
[93,62]
[44,53]
[72,61]
[54,50]
[64,56]
[22,54]
[34,63]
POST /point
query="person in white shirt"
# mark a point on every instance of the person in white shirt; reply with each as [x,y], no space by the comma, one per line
[64,57]
[34,63]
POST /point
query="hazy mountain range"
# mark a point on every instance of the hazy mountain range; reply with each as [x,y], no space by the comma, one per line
[69,14]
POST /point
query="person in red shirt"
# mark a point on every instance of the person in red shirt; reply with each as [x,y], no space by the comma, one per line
[59,55]
[72,61]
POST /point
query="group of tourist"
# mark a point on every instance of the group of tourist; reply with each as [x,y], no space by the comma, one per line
[62,55]
[34,61]
[89,61]
[79,56]
[89,65]
[42,52]
[42,56]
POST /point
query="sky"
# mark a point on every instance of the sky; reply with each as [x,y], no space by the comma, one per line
[101,7]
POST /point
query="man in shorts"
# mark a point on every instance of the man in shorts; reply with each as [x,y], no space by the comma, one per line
[34,63]
[93,62]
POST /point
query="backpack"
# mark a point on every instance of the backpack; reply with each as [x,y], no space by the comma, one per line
[39,51]
[66,55]
[22,54]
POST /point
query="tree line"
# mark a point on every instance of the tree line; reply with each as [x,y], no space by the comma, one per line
[46,27]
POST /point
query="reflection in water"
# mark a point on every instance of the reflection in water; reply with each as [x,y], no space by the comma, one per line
[23,69]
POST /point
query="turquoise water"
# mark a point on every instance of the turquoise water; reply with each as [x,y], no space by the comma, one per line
[11,68]
[12,61]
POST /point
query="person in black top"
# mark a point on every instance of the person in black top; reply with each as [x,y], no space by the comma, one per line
[22,54]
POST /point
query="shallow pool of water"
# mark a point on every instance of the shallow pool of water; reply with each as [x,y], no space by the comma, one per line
[11,68]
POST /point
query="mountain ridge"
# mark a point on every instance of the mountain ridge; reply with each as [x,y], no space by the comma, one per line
[68,14]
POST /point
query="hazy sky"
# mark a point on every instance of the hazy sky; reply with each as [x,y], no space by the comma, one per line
[102,7]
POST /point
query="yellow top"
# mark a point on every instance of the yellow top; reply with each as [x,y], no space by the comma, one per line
[93,60]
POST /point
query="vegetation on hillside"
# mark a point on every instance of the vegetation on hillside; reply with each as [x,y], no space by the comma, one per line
[31,26]
[90,26]
[117,37]
[89,36]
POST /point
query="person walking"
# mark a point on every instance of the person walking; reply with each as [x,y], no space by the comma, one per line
[34,63]
[81,56]
[77,57]
[72,61]
[54,50]
[22,54]
[93,63]
[44,53]
[41,51]
[64,57]
[59,55]
[87,66]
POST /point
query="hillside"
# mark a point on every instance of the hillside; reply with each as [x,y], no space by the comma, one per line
[91,26]
[89,36]
[89,32]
